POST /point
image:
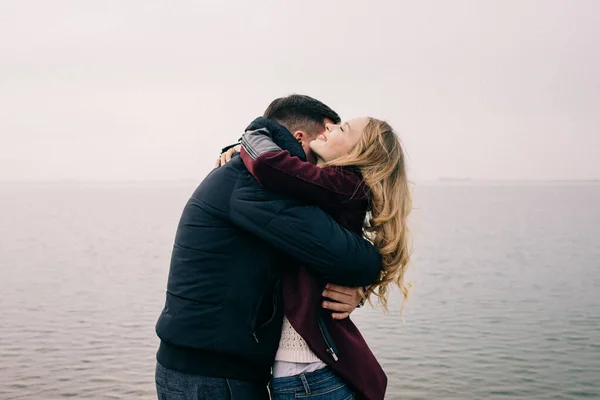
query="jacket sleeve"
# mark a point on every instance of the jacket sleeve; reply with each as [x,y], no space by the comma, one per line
[277,170]
[306,233]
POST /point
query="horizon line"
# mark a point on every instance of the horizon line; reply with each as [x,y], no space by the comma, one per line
[428,180]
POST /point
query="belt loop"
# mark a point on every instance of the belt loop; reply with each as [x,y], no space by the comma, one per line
[305,383]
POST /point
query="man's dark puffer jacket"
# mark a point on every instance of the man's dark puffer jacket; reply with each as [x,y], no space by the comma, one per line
[223,314]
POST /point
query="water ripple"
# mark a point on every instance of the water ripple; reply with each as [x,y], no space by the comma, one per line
[505,302]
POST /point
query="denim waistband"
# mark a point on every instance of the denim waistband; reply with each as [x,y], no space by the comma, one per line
[307,382]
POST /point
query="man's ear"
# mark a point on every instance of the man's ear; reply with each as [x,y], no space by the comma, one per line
[300,135]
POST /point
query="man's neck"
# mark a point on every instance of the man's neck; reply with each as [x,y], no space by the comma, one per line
[312,157]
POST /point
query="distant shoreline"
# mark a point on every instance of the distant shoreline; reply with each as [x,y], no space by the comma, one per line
[440,181]
[509,181]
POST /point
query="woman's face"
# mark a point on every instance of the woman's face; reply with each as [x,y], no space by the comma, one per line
[338,140]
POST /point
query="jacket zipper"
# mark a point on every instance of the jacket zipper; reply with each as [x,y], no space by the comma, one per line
[328,342]
[275,303]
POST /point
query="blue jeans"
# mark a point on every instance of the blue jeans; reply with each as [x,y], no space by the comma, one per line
[319,385]
[175,385]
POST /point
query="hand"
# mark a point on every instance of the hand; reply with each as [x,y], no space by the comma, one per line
[344,300]
[225,157]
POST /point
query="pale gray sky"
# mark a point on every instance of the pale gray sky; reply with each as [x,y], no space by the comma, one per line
[150,90]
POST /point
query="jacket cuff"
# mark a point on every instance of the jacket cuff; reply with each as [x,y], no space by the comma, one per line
[362,301]
[258,142]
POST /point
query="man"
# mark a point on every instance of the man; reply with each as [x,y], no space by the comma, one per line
[221,323]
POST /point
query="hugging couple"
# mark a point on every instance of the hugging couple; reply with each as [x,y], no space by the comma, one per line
[293,230]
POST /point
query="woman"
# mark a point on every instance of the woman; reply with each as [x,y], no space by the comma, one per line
[360,175]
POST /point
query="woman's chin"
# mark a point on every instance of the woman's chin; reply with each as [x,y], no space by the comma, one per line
[314,146]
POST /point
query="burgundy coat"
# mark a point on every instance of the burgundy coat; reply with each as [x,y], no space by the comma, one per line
[341,193]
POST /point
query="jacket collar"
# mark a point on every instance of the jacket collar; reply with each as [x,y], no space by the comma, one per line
[280,135]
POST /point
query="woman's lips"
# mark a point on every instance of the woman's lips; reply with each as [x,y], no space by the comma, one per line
[322,137]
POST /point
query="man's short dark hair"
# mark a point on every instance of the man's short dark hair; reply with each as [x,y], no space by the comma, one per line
[300,112]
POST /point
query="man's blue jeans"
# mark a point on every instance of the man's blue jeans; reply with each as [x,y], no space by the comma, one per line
[174,385]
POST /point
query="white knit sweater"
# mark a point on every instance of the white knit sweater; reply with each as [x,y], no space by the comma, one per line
[292,348]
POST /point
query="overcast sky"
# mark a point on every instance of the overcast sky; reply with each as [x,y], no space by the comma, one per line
[151,90]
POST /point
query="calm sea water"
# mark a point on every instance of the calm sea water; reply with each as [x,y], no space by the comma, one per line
[506,301]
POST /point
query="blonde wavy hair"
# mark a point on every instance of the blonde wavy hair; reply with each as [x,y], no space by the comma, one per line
[381,160]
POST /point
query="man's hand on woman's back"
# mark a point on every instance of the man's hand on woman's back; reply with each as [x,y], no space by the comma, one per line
[342,300]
